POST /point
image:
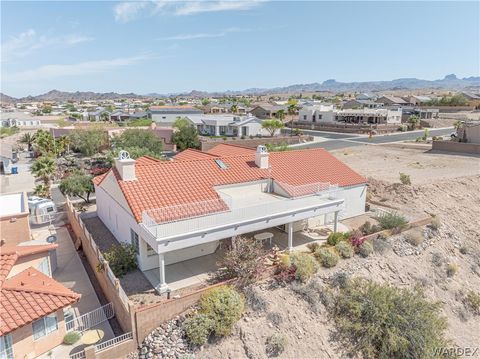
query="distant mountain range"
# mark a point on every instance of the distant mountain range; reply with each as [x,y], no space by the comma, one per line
[450,82]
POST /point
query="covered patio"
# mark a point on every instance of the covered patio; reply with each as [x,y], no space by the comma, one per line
[198,271]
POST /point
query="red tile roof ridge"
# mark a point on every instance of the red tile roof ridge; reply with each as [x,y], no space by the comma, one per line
[33,281]
[22,251]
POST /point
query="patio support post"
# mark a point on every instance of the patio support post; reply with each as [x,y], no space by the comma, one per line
[335,222]
[162,286]
[290,236]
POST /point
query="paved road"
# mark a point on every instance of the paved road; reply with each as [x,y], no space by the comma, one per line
[350,140]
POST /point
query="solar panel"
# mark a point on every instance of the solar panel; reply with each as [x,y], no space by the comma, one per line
[221,164]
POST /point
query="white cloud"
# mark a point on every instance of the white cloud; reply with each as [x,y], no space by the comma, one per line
[29,41]
[48,72]
[128,11]
[203,35]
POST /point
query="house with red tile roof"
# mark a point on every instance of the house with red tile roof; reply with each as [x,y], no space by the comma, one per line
[173,211]
[31,302]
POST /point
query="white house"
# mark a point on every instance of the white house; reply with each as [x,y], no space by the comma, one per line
[316,113]
[167,115]
[369,116]
[173,211]
[227,125]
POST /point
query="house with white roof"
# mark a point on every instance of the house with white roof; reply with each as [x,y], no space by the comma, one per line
[227,125]
[174,211]
[316,113]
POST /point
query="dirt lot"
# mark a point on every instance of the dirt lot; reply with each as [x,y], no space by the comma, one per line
[445,185]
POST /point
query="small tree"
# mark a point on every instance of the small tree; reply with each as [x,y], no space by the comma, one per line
[121,259]
[78,184]
[185,135]
[405,179]
[139,143]
[272,126]
[44,168]
[89,141]
[280,115]
[28,139]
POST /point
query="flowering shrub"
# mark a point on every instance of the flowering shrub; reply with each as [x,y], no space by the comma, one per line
[357,238]
[285,274]
[96,171]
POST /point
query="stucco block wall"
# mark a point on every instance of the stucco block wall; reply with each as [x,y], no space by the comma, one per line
[25,347]
[15,229]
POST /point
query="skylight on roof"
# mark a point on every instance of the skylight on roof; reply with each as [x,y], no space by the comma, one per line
[221,164]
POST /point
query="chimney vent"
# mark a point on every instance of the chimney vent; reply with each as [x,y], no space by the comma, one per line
[261,157]
[125,166]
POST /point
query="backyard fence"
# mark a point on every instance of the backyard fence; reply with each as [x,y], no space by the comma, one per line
[91,319]
[113,342]
[114,348]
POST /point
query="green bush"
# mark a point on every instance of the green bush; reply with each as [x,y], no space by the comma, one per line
[122,259]
[405,179]
[334,238]
[452,269]
[345,249]
[380,321]
[435,223]
[306,266]
[392,221]
[198,328]
[313,246]
[276,344]
[224,305]
[71,338]
[380,244]
[327,257]
[368,228]
[365,249]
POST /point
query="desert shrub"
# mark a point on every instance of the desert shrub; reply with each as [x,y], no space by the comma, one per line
[242,260]
[224,305]
[340,280]
[380,244]
[285,274]
[435,223]
[71,338]
[334,238]
[392,221]
[365,249]
[327,258]
[368,228]
[313,246]
[464,249]
[380,321]
[414,237]
[472,301]
[437,259]
[357,238]
[452,269]
[254,299]
[345,249]
[122,259]
[405,179]
[275,318]
[314,294]
[198,328]
[275,344]
[306,266]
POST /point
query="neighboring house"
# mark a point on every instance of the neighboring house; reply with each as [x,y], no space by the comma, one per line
[8,157]
[31,302]
[13,122]
[172,211]
[470,96]
[266,111]
[97,115]
[469,132]
[423,113]
[366,96]
[391,101]
[227,125]
[119,115]
[219,108]
[167,115]
[369,116]
[355,104]
[418,100]
[316,113]
[14,219]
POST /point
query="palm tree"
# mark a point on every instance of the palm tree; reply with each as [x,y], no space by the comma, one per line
[280,115]
[234,109]
[44,168]
[28,139]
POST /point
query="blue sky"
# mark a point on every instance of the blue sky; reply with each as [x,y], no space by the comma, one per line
[165,46]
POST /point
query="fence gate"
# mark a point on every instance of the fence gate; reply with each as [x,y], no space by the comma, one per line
[90,319]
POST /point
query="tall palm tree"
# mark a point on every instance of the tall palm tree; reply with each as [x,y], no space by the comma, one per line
[234,109]
[28,139]
[44,168]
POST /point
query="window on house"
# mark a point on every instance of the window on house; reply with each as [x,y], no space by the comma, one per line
[304,117]
[134,240]
[6,349]
[313,118]
[44,267]
[150,251]
[319,117]
[44,326]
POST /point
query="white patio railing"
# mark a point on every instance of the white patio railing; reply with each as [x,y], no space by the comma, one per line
[90,319]
[78,355]
[323,202]
[113,342]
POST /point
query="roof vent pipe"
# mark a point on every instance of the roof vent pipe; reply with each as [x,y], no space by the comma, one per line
[125,166]
[261,157]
